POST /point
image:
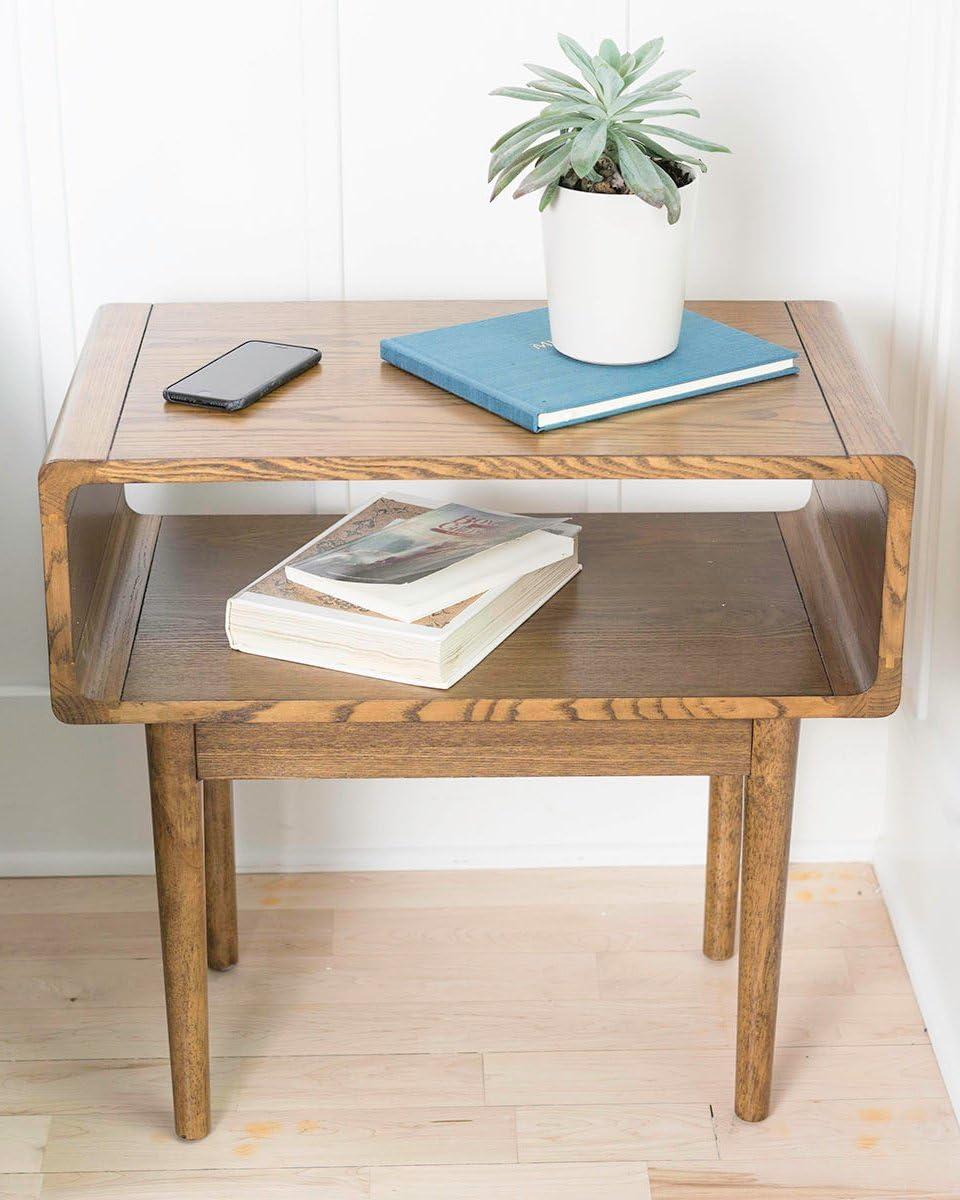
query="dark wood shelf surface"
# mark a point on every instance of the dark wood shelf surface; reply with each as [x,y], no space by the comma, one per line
[702,604]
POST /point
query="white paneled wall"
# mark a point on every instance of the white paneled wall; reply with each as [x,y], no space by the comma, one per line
[308,148]
[811,98]
[918,859]
[416,217]
[22,647]
[187,116]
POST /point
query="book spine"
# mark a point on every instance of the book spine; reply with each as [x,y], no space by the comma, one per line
[494,402]
[704,391]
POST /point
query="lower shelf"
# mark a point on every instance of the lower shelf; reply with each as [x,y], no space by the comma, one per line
[668,604]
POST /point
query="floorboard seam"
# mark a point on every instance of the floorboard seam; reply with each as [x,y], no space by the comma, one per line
[713,1129]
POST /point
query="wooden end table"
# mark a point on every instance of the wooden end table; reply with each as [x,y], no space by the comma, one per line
[691,643]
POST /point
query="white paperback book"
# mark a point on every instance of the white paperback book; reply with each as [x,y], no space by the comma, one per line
[424,563]
[277,617]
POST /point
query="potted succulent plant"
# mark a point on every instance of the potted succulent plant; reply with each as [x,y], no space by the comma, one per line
[615,266]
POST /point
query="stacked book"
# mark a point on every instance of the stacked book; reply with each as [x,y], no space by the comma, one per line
[402,591]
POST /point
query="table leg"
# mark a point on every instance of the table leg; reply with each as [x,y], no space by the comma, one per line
[768,810]
[221,875]
[723,865]
[178,846]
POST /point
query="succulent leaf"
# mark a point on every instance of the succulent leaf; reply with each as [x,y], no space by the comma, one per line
[509,173]
[505,137]
[548,194]
[638,134]
[639,71]
[550,73]
[610,82]
[552,167]
[671,195]
[508,153]
[647,54]
[610,52]
[518,93]
[638,171]
[689,139]
[588,109]
[580,58]
[561,89]
[669,77]
[506,161]
[643,113]
[588,146]
[649,91]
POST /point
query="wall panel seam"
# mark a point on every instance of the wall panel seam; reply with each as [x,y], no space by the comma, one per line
[40,89]
[338,58]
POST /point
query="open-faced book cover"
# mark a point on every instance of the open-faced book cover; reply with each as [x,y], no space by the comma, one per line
[424,563]
[509,366]
[279,618]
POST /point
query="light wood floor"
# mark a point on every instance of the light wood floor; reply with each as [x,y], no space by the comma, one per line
[544,1035]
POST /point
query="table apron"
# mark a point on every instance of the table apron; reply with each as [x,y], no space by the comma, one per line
[421,750]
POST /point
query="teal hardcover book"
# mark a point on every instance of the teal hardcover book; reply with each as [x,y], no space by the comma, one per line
[508,365]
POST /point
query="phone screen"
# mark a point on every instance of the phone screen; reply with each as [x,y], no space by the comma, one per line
[242,371]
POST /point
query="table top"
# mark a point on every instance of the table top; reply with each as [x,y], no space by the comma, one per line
[357,417]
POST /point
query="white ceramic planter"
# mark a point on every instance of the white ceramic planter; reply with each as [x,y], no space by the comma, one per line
[616,275]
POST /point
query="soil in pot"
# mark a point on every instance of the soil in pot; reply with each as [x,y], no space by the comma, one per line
[611,181]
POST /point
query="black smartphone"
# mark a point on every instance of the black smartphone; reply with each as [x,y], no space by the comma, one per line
[242,375]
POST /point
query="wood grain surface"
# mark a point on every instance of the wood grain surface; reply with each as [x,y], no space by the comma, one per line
[355,406]
[352,890]
[359,419]
[447,1096]
[103,654]
[768,813]
[724,830]
[220,874]
[842,598]
[98,390]
[401,750]
[667,604]
[859,414]
[81,526]
[178,845]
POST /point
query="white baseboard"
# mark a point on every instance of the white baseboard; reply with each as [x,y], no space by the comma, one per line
[418,858]
[941,1014]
